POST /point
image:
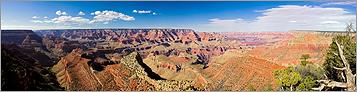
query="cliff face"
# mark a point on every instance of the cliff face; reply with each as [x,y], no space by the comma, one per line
[61,42]
[165,59]
[18,36]
[127,36]
[206,36]
[75,72]
[23,38]
[233,72]
[290,50]
[21,71]
[29,43]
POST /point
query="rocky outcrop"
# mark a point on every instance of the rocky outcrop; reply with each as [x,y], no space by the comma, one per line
[23,72]
[61,42]
[206,36]
[290,50]
[18,36]
[170,59]
[75,73]
[230,72]
[23,38]
[203,59]
[131,36]
[125,36]
[30,43]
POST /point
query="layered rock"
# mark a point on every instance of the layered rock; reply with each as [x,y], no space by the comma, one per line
[21,71]
[61,42]
[75,73]
[127,36]
[206,36]
[289,51]
[23,38]
[172,59]
[28,42]
[231,72]
[18,36]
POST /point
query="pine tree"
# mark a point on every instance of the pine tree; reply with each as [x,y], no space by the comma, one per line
[340,63]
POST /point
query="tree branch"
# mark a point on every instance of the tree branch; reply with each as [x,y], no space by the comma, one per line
[329,84]
[350,79]
[341,69]
[335,53]
[322,86]
[343,77]
[340,49]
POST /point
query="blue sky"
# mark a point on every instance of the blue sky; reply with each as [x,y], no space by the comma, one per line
[201,16]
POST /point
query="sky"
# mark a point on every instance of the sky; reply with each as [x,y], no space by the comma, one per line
[212,16]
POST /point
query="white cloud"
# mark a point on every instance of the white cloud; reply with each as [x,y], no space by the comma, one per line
[70,20]
[293,21]
[36,21]
[330,22]
[154,13]
[342,2]
[97,12]
[35,17]
[39,27]
[287,17]
[142,11]
[64,20]
[41,21]
[105,16]
[100,16]
[45,17]
[81,13]
[92,13]
[60,13]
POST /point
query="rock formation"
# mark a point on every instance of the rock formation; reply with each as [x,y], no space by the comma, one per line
[167,59]
[18,36]
[22,72]
[74,73]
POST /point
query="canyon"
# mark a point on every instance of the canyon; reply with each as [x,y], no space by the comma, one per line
[167,59]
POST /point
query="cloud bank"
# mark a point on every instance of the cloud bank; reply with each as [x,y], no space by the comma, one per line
[81,13]
[144,12]
[99,17]
[106,16]
[341,2]
[59,13]
[285,18]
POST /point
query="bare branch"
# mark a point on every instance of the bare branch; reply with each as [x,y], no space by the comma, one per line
[341,55]
[350,28]
[333,84]
[341,69]
[343,76]
[350,79]
[329,84]
[346,73]
[325,76]
[335,53]
[322,86]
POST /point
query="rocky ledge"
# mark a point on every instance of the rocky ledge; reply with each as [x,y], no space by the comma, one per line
[75,73]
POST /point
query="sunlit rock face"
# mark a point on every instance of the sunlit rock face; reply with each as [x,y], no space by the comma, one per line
[169,59]
[75,72]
